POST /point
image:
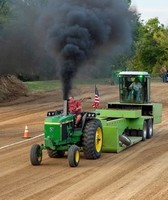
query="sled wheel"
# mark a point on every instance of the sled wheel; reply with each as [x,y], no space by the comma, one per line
[73,156]
[55,154]
[143,133]
[125,140]
[36,155]
[92,139]
[149,128]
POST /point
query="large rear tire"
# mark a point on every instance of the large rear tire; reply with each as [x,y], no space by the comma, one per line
[92,139]
[73,156]
[36,154]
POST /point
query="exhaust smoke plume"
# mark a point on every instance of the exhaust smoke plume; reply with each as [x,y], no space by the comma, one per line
[76,33]
[79,31]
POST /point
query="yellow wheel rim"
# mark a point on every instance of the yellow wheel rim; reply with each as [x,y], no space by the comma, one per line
[98,139]
[39,158]
[77,156]
[39,155]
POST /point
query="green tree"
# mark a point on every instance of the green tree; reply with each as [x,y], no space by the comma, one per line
[150,48]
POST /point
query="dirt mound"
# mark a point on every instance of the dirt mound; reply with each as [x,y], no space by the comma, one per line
[11,88]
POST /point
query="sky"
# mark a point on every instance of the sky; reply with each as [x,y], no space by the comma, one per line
[152,8]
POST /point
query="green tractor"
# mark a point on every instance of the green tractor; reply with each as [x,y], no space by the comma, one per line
[119,126]
[61,135]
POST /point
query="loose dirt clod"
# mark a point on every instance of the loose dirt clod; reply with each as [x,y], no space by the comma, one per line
[11,88]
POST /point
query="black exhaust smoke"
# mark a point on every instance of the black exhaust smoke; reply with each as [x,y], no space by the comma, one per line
[81,30]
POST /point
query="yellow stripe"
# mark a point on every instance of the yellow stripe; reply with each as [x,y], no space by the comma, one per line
[52,123]
[57,123]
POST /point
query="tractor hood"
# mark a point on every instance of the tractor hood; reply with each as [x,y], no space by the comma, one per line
[59,119]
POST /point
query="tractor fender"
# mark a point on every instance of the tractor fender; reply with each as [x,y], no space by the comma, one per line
[85,119]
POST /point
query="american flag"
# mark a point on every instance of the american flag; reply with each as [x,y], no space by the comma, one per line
[96,99]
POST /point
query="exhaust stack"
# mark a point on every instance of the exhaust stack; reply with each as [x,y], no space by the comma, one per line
[65,108]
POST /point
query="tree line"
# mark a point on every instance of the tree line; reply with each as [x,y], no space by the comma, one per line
[22,51]
[150,46]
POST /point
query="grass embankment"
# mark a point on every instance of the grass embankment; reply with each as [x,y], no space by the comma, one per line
[41,86]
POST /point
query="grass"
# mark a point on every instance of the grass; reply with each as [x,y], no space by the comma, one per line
[41,86]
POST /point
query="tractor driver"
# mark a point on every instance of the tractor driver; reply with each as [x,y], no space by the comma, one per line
[75,107]
[136,88]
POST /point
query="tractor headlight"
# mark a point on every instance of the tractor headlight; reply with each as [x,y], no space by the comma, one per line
[91,115]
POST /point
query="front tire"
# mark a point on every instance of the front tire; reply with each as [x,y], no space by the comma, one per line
[92,139]
[36,154]
[73,156]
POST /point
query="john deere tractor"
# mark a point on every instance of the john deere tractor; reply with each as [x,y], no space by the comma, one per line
[60,136]
[119,126]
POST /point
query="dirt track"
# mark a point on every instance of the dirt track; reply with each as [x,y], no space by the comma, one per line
[140,172]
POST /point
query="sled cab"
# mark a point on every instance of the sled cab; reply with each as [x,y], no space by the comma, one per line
[134,87]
